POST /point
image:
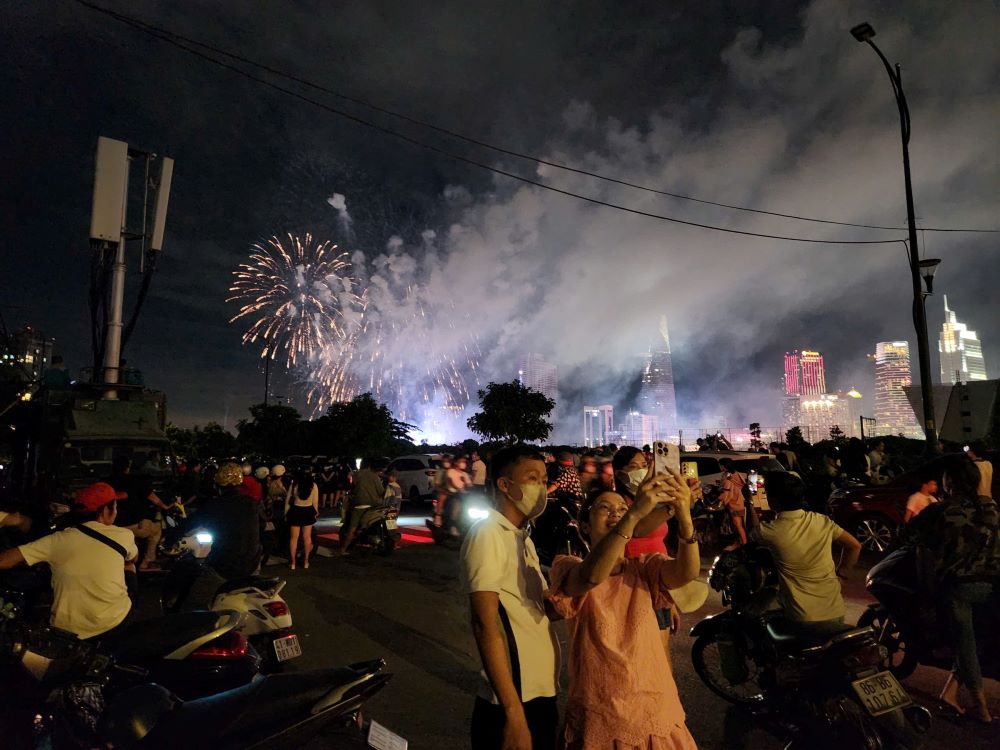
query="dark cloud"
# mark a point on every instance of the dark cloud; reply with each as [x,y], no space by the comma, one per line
[771,105]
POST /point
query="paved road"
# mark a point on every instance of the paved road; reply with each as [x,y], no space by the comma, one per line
[408,609]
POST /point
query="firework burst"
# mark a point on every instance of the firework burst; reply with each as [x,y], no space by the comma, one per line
[299,297]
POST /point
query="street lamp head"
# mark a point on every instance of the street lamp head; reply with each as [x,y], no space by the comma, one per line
[863,32]
[928,267]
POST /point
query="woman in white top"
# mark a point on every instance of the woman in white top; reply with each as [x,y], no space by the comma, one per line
[301,511]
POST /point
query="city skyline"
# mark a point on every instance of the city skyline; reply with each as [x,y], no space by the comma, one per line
[960,350]
[657,396]
[536,372]
[893,413]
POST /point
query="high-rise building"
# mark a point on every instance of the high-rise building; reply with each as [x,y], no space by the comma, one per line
[893,413]
[639,429]
[656,394]
[960,349]
[813,381]
[598,424]
[793,385]
[536,373]
[819,414]
[30,352]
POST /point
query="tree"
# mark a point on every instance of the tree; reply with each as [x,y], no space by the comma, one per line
[512,413]
[756,444]
[360,427]
[210,441]
[274,430]
[836,434]
[796,442]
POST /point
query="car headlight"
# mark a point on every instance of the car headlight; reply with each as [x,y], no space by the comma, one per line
[203,537]
[477,513]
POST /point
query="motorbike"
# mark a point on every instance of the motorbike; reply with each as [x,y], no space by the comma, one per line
[710,517]
[378,529]
[826,691]
[461,511]
[77,694]
[557,531]
[911,628]
[267,621]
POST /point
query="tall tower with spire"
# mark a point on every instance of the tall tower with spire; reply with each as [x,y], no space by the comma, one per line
[656,394]
[960,350]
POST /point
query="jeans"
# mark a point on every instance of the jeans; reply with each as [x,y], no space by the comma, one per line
[488,722]
[959,606]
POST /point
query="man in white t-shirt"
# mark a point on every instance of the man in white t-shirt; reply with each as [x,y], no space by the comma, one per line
[975,452]
[88,573]
[478,471]
[516,706]
[920,499]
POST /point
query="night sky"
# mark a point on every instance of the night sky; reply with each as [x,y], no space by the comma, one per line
[771,105]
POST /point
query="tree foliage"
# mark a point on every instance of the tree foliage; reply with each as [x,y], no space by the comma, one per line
[795,439]
[273,430]
[512,413]
[360,427]
[210,441]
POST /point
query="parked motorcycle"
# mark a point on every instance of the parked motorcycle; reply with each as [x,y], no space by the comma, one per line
[268,621]
[710,518]
[75,699]
[557,531]
[909,625]
[828,691]
[461,512]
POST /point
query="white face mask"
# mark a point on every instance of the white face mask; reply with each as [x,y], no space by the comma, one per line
[532,500]
[636,477]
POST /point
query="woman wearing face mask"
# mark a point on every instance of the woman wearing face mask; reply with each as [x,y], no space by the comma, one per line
[621,691]
[630,467]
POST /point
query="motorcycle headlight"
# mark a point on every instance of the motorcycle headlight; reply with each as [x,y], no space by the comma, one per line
[477,514]
[203,537]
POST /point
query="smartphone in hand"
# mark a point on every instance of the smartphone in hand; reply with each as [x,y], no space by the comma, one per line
[666,455]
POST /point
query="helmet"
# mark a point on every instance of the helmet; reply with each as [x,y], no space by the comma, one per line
[229,475]
[278,470]
[262,472]
[247,469]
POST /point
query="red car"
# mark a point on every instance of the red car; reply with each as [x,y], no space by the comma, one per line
[873,514]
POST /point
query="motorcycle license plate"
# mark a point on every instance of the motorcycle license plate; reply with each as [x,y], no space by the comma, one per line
[287,647]
[881,693]
[381,738]
[391,523]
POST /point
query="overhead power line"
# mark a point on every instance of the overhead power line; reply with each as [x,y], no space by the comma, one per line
[150,28]
[177,42]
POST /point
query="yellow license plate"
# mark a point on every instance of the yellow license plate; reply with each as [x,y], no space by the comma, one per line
[881,693]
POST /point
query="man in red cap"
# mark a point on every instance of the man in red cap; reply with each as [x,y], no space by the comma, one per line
[88,565]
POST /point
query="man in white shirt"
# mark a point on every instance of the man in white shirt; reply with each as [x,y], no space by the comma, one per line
[88,565]
[801,544]
[920,499]
[478,471]
[975,452]
[516,706]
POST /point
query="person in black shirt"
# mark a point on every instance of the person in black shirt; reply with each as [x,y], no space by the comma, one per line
[137,510]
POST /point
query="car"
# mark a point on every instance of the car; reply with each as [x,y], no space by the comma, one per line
[874,514]
[747,463]
[417,474]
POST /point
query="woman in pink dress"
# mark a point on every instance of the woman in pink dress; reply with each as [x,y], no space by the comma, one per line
[622,695]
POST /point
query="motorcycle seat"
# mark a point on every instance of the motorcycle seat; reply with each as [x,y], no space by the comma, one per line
[248,715]
[258,582]
[147,640]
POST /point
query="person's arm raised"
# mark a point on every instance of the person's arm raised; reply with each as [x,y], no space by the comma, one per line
[603,558]
[687,565]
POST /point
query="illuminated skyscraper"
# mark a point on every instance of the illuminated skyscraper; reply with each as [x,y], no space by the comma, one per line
[598,424]
[961,352]
[639,429]
[893,413]
[793,385]
[536,373]
[813,375]
[656,394]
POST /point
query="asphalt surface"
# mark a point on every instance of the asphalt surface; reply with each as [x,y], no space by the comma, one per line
[408,609]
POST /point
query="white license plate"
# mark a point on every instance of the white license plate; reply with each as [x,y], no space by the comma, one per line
[382,739]
[391,523]
[287,647]
[881,693]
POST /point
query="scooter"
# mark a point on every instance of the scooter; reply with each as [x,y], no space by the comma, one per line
[909,625]
[462,510]
[378,529]
[268,620]
[77,694]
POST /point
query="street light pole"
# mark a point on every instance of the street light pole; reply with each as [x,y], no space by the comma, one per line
[864,33]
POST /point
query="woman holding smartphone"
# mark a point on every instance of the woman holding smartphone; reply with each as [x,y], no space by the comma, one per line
[621,690]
